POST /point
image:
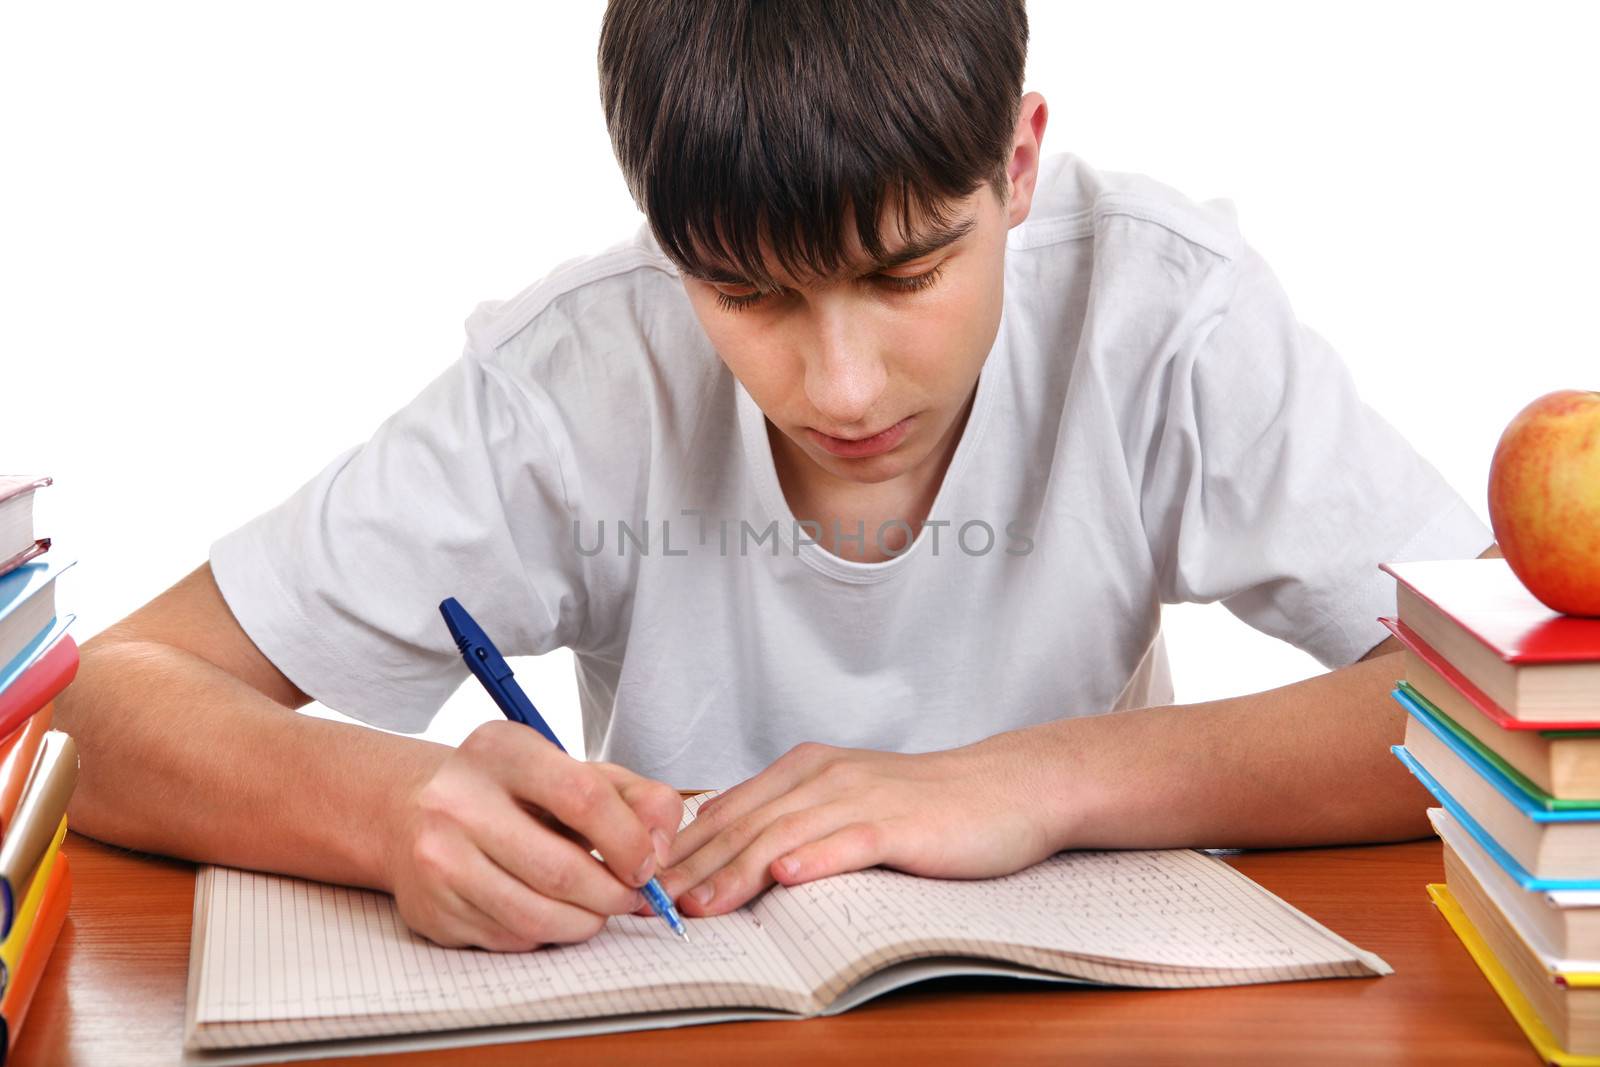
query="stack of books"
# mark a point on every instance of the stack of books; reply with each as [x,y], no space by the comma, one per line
[38,765]
[1502,696]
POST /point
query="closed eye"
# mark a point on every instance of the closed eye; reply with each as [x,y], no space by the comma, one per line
[728,302]
[911,283]
[895,283]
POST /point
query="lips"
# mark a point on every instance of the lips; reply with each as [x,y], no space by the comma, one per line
[862,447]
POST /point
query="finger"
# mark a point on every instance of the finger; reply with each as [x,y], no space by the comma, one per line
[717,851]
[749,873]
[728,872]
[582,799]
[853,847]
[438,905]
[452,922]
[520,919]
[717,815]
[439,914]
[706,802]
[656,803]
[549,863]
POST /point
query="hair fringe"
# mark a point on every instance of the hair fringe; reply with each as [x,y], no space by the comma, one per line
[739,123]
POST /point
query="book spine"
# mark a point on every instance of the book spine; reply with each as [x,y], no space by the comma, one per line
[36,953]
[39,684]
[43,804]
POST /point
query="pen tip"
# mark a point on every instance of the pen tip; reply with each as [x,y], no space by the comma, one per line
[682,933]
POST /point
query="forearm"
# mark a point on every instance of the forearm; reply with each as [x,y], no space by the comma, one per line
[182,758]
[1305,764]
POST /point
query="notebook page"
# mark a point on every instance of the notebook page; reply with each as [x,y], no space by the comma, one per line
[1156,918]
[283,959]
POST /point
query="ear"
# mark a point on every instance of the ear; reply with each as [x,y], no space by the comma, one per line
[1023,170]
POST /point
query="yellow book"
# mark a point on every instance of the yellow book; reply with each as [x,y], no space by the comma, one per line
[32,894]
[1544,1042]
[27,832]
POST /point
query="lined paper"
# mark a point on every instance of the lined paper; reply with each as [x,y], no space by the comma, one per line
[1156,918]
[319,961]
[278,959]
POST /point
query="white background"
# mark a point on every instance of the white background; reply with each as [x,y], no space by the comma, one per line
[234,237]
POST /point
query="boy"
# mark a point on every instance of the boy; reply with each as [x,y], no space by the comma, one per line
[858,478]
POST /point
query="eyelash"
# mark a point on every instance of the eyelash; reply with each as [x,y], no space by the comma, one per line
[908,284]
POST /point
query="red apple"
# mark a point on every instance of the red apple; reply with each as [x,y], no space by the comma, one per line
[1544,499]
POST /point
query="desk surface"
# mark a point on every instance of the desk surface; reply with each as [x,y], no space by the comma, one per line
[114,991]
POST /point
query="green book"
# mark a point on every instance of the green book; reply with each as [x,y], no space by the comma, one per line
[1494,759]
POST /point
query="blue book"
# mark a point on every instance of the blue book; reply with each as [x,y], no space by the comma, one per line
[1539,848]
[28,622]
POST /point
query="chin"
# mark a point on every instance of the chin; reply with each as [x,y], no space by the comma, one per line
[867,471]
[872,469]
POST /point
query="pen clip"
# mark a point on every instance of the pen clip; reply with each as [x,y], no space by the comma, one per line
[489,658]
[485,661]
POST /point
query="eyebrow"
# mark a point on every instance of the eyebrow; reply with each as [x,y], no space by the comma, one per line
[930,242]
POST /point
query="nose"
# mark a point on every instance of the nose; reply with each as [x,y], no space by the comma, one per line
[845,376]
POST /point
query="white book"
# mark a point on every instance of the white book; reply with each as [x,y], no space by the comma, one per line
[1549,846]
[301,967]
[1567,1002]
[1562,928]
[16,517]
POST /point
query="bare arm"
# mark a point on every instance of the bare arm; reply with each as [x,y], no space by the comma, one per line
[1304,764]
[190,746]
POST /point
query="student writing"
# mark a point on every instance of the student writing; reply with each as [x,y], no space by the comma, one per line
[866,319]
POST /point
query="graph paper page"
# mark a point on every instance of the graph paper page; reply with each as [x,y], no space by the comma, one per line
[283,959]
[299,960]
[1166,918]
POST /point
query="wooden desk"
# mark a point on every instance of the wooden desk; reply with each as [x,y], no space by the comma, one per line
[114,991]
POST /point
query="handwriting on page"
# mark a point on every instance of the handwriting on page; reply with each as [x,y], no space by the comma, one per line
[312,960]
[1168,909]
[285,948]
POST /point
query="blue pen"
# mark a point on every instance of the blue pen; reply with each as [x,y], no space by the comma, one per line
[491,668]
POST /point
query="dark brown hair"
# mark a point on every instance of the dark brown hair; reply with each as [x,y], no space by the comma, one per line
[740,120]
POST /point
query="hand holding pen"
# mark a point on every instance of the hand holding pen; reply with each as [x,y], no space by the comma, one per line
[486,663]
[488,843]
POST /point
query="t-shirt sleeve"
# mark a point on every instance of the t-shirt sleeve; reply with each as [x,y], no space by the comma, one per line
[339,585]
[1272,488]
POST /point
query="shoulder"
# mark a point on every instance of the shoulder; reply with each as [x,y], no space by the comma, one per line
[1126,271]
[1122,212]
[627,292]
[1128,281]
[600,334]
[634,265]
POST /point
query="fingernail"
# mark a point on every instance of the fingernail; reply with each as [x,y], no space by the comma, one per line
[663,846]
[788,865]
[646,869]
[702,893]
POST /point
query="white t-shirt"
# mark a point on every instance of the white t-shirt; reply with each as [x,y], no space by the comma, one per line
[1152,425]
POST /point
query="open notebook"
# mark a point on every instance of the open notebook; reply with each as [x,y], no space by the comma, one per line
[279,961]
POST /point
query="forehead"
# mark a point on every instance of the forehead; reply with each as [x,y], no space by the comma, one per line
[927,234]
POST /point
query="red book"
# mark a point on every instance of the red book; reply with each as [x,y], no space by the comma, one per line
[1532,662]
[39,684]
